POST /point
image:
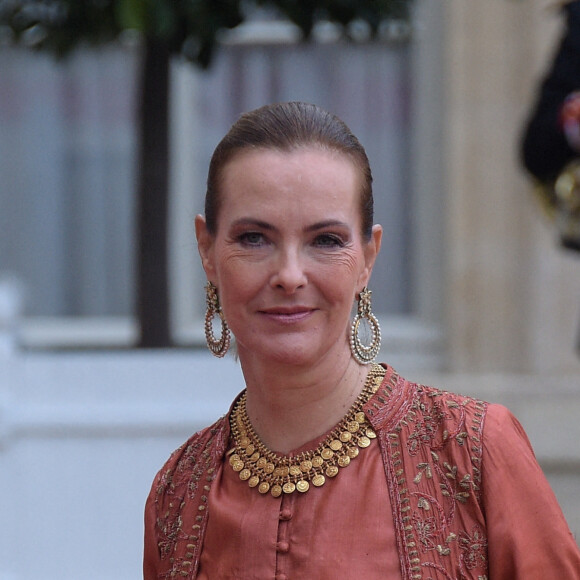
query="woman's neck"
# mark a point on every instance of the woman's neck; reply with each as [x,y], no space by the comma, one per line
[289,407]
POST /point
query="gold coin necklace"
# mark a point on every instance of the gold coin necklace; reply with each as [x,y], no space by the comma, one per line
[270,472]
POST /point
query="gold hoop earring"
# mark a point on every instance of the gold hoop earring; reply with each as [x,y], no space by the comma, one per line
[218,347]
[362,353]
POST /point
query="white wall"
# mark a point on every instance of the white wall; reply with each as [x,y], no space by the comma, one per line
[82,437]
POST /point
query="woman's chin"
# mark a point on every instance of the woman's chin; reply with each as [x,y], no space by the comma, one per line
[291,353]
[278,356]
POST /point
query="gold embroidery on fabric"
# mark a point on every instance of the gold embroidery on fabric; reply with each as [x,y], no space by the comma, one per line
[193,466]
[435,422]
[474,547]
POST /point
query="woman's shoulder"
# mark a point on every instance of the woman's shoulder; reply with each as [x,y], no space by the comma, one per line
[446,407]
[202,451]
[492,419]
[486,428]
[401,404]
[483,419]
[447,420]
[448,397]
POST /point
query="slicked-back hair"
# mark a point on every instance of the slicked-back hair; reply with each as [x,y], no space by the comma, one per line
[287,127]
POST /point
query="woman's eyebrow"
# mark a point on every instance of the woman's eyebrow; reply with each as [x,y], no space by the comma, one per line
[255,222]
[326,224]
[248,221]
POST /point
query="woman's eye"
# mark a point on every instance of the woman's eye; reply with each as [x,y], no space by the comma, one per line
[328,241]
[251,239]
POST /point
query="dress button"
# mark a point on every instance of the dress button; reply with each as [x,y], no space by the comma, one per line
[283,547]
[285,515]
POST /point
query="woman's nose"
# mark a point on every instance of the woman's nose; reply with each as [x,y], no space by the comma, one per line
[289,273]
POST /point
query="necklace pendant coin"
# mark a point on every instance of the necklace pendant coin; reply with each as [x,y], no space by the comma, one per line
[346,436]
[289,487]
[331,471]
[264,487]
[245,474]
[295,470]
[276,490]
[343,460]
[317,461]
[363,442]
[238,465]
[302,486]
[318,480]
[253,481]
[352,452]
[327,453]
[305,466]
[336,444]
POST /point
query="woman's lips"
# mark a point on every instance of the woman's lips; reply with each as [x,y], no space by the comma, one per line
[288,315]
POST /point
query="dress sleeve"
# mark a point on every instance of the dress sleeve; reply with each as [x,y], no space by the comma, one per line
[528,537]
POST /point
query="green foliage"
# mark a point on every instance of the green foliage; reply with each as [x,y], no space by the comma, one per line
[305,13]
[59,24]
[189,27]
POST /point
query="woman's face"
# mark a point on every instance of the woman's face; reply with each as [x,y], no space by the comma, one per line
[288,257]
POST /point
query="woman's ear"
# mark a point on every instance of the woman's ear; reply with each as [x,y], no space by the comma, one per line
[205,246]
[371,251]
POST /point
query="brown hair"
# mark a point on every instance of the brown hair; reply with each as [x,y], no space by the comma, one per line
[288,126]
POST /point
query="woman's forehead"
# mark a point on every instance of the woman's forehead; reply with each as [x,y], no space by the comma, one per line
[306,171]
[303,184]
[312,163]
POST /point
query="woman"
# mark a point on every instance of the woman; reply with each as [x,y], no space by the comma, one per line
[328,467]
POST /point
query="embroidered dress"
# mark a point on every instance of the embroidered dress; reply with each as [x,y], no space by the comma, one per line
[449,489]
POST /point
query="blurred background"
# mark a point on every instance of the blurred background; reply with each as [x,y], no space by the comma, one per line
[480,299]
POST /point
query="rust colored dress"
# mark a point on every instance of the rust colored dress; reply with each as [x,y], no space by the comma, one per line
[449,490]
